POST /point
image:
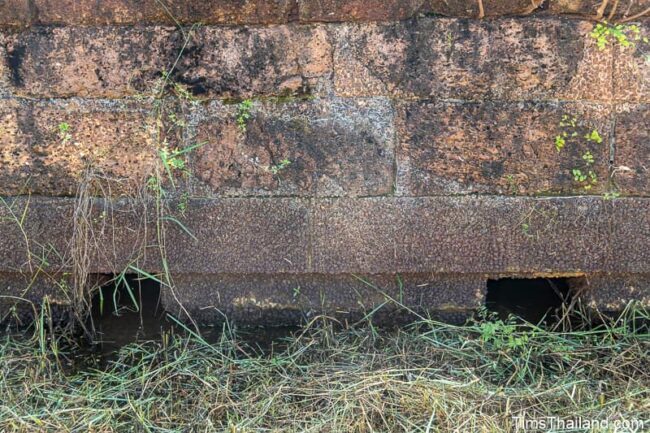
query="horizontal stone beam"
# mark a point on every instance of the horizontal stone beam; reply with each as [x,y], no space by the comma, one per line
[336,236]
[17,13]
[504,59]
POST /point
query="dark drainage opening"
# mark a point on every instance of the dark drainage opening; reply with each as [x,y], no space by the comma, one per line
[531,299]
[126,310]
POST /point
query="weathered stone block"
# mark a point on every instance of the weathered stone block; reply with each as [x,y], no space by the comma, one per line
[499,148]
[93,62]
[632,67]
[333,147]
[45,148]
[480,235]
[112,62]
[631,172]
[394,10]
[91,12]
[243,62]
[240,236]
[15,13]
[613,292]
[624,8]
[503,59]
[286,298]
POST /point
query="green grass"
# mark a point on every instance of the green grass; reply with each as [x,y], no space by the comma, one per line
[427,377]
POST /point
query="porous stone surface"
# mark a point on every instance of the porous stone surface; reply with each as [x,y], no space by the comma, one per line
[243,62]
[631,172]
[325,139]
[613,292]
[46,148]
[227,246]
[632,66]
[15,13]
[112,62]
[507,59]
[480,235]
[241,236]
[334,147]
[498,148]
[93,62]
[241,12]
[282,299]
[91,12]
[624,8]
[393,10]
[22,295]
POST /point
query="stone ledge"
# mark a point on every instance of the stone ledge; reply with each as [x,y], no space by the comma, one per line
[390,235]
[280,299]
[21,13]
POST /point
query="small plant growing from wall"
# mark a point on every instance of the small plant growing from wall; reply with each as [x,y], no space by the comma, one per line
[280,167]
[583,174]
[244,113]
[624,35]
[65,134]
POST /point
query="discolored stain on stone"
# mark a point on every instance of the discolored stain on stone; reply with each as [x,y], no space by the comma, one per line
[88,62]
[244,62]
[329,148]
[503,59]
[46,147]
[498,148]
[632,67]
[5,75]
[631,173]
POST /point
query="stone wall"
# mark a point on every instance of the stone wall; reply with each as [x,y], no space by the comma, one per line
[343,153]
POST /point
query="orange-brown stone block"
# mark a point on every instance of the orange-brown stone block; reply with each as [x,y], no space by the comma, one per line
[88,62]
[112,62]
[309,148]
[506,59]
[45,148]
[631,171]
[243,62]
[504,148]
[624,8]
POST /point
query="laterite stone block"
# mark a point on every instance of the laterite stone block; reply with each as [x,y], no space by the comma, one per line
[498,148]
[504,59]
[334,147]
[39,155]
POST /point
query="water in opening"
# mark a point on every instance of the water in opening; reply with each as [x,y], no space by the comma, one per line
[532,299]
[126,311]
[129,310]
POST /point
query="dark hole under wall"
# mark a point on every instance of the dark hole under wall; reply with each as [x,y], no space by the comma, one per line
[532,299]
[127,310]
